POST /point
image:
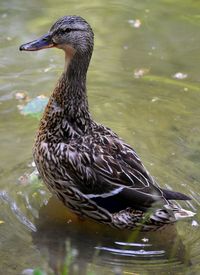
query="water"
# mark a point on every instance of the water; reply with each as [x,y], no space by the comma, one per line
[133,88]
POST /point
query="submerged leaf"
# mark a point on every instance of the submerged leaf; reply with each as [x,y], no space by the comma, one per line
[35,107]
[30,271]
[38,271]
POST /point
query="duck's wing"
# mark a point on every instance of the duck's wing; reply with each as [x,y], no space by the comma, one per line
[112,175]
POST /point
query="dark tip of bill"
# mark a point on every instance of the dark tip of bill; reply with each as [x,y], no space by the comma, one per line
[21,48]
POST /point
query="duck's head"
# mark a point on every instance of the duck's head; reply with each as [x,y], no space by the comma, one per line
[70,33]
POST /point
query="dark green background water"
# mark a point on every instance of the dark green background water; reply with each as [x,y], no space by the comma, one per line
[157,114]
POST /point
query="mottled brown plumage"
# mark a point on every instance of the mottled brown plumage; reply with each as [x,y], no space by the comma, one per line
[93,171]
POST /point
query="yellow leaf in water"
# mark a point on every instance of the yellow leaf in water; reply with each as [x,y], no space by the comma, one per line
[1,222]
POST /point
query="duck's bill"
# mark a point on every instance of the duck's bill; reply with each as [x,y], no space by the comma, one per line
[38,44]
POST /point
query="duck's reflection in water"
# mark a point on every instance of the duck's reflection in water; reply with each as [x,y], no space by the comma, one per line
[75,244]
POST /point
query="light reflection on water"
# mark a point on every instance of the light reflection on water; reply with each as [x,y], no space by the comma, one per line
[156,113]
[101,245]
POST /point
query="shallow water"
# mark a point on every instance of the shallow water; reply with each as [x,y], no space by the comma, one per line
[134,88]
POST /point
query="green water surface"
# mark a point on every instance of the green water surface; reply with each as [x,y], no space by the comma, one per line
[156,112]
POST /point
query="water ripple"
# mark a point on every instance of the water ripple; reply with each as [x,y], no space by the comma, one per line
[16,211]
[131,253]
[133,244]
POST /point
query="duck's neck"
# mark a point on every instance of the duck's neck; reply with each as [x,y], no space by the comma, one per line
[68,104]
[69,99]
[70,93]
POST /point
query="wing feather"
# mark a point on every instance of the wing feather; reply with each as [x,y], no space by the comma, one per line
[111,167]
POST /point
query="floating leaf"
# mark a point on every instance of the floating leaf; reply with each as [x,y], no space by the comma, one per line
[21,96]
[195,223]
[140,72]
[135,23]
[180,75]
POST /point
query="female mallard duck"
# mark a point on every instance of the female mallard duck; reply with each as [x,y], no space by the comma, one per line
[93,171]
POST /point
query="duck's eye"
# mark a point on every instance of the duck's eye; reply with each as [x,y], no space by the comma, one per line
[67,30]
[61,31]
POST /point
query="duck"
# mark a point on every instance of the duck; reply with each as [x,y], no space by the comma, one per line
[93,171]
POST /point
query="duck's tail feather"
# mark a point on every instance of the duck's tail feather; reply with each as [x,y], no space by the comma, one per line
[171,195]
